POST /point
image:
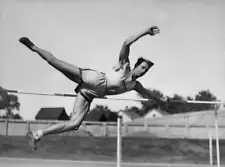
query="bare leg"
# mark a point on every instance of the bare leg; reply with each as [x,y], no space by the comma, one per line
[80,110]
[70,71]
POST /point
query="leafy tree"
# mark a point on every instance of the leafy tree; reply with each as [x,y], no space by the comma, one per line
[204,95]
[151,104]
[103,108]
[3,98]
[136,110]
[177,107]
[108,113]
[9,103]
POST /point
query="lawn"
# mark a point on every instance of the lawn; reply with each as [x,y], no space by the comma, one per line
[134,149]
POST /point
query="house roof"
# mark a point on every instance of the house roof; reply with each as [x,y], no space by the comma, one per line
[52,113]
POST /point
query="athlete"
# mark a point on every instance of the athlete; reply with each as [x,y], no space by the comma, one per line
[94,84]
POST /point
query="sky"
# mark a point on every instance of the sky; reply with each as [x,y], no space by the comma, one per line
[189,52]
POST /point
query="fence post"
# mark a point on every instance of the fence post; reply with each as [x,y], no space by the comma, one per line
[187,131]
[146,125]
[28,126]
[6,127]
[125,128]
[105,129]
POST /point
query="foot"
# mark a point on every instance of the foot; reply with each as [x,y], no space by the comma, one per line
[32,141]
[27,42]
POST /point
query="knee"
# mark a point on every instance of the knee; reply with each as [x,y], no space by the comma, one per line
[73,125]
[51,59]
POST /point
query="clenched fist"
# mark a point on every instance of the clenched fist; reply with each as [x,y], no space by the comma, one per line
[153,30]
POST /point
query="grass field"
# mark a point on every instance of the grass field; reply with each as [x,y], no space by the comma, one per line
[152,150]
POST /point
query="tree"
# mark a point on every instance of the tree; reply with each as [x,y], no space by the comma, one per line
[177,107]
[9,103]
[108,113]
[204,95]
[151,104]
[135,110]
[3,98]
[103,108]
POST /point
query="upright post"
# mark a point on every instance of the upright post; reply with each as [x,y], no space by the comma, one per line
[217,136]
[119,143]
[6,127]
[210,148]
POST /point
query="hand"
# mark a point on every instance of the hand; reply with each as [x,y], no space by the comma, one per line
[165,99]
[159,100]
[153,30]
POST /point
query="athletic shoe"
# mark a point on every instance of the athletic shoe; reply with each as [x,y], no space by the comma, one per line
[32,141]
[27,42]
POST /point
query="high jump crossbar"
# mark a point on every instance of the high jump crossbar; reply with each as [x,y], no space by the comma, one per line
[108,98]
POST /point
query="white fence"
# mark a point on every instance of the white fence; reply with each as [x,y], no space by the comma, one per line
[145,129]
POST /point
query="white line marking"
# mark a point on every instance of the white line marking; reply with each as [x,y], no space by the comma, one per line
[104,162]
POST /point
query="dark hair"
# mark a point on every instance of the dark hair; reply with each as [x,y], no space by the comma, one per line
[141,59]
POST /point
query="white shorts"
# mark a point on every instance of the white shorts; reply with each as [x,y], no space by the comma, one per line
[93,84]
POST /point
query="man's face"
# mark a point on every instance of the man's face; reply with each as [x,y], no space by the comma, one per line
[141,69]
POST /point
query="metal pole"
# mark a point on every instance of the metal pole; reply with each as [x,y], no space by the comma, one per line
[119,150]
[6,127]
[210,148]
[217,137]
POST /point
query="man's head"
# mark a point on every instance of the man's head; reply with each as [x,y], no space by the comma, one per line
[141,67]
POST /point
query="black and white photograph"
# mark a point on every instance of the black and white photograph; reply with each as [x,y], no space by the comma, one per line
[113,83]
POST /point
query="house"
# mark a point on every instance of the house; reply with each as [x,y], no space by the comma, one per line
[52,114]
[153,113]
[128,115]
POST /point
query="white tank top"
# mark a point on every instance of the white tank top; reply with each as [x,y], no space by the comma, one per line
[120,80]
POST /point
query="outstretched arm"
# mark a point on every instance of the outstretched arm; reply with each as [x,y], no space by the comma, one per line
[143,91]
[125,50]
